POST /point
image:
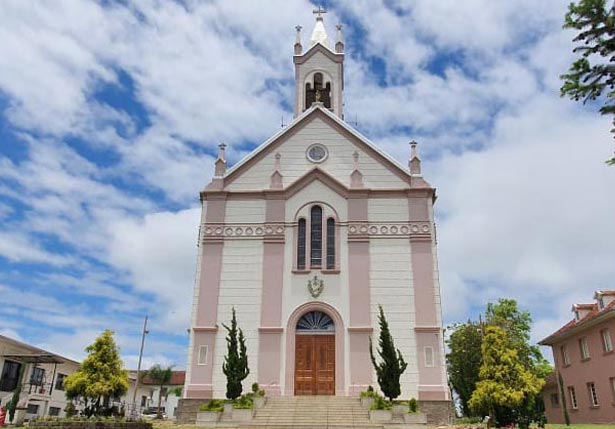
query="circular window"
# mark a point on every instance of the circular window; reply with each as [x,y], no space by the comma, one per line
[317,153]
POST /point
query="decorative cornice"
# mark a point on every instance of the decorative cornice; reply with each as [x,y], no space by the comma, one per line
[432,329]
[205,328]
[213,231]
[366,329]
[271,329]
[388,229]
[275,231]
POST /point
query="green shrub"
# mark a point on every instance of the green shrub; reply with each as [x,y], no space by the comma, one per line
[244,402]
[413,406]
[215,405]
[261,392]
[255,388]
[369,393]
[381,404]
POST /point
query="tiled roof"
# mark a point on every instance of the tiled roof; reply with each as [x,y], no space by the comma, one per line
[594,311]
[177,379]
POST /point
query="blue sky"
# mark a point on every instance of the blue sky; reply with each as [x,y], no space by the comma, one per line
[111,112]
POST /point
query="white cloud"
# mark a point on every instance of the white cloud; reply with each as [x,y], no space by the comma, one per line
[159,254]
[528,215]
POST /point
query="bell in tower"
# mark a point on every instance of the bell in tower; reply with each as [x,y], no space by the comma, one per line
[319,71]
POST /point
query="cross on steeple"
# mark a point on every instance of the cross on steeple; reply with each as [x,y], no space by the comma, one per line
[319,11]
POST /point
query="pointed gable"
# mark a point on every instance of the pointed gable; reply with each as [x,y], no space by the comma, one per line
[317,126]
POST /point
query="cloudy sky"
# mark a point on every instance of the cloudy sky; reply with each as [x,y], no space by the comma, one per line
[110,114]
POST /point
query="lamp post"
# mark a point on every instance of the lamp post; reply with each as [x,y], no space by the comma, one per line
[134,394]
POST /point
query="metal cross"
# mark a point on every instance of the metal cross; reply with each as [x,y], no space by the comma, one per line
[319,11]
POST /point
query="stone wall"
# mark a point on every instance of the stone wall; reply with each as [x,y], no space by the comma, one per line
[187,409]
[438,412]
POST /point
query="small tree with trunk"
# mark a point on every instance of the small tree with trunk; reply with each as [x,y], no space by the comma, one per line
[392,364]
[235,365]
[159,376]
[100,376]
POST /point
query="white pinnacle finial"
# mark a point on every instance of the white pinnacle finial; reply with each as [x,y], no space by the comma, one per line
[319,35]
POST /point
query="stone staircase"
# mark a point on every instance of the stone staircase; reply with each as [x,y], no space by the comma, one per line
[309,412]
[312,412]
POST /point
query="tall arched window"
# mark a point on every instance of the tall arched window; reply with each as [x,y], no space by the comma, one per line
[301,241]
[316,237]
[330,243]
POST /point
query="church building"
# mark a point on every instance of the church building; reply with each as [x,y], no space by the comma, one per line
[305,237]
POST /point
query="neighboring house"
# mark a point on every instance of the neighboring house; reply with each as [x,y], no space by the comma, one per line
[305,238]
[42,389]
[583,355]
[169,392]
[143,398]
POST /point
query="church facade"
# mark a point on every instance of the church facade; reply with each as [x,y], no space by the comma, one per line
[305,238]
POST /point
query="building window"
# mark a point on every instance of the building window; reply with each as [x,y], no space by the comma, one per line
[10,376]
[60,382]
[554,400]
[565,356]
[32,409]
[429,359]
[38,376]
[316,237]
[584,346]
[301,244]
[601,302]
[612,384]
[202,355]
[593,396]
[330,243]
[606,340]
[143,401]
[54,411]
[573,397]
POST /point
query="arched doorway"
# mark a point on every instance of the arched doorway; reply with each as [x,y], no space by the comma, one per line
[315,354]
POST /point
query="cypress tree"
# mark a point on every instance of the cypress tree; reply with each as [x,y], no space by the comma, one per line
[235,365]
[392,364]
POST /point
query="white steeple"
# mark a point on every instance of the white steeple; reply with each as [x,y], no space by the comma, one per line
[319,35]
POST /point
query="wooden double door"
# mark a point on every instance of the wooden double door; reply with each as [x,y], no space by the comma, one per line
[314,364]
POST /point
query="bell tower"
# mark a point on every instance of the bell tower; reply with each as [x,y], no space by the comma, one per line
[319,71]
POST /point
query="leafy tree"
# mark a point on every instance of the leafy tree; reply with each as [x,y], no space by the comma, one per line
[517,325]
[504,380]
[159,376]
[392,364]
[592,75]
[464,360]
[100,376]
[235,365]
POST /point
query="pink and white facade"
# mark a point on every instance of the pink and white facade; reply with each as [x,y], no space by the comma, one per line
[317,205]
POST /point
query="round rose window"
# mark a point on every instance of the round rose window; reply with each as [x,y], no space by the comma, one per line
[317,153]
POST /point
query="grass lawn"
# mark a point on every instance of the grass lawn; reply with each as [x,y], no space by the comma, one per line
[553,426]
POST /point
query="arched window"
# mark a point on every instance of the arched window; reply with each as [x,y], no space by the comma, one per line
[330,243]
[316,237]
[301,244]
[318,91]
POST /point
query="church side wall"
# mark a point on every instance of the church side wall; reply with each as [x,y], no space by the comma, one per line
[391,286]
[240,286]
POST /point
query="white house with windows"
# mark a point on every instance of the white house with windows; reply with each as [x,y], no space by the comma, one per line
[43,374]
